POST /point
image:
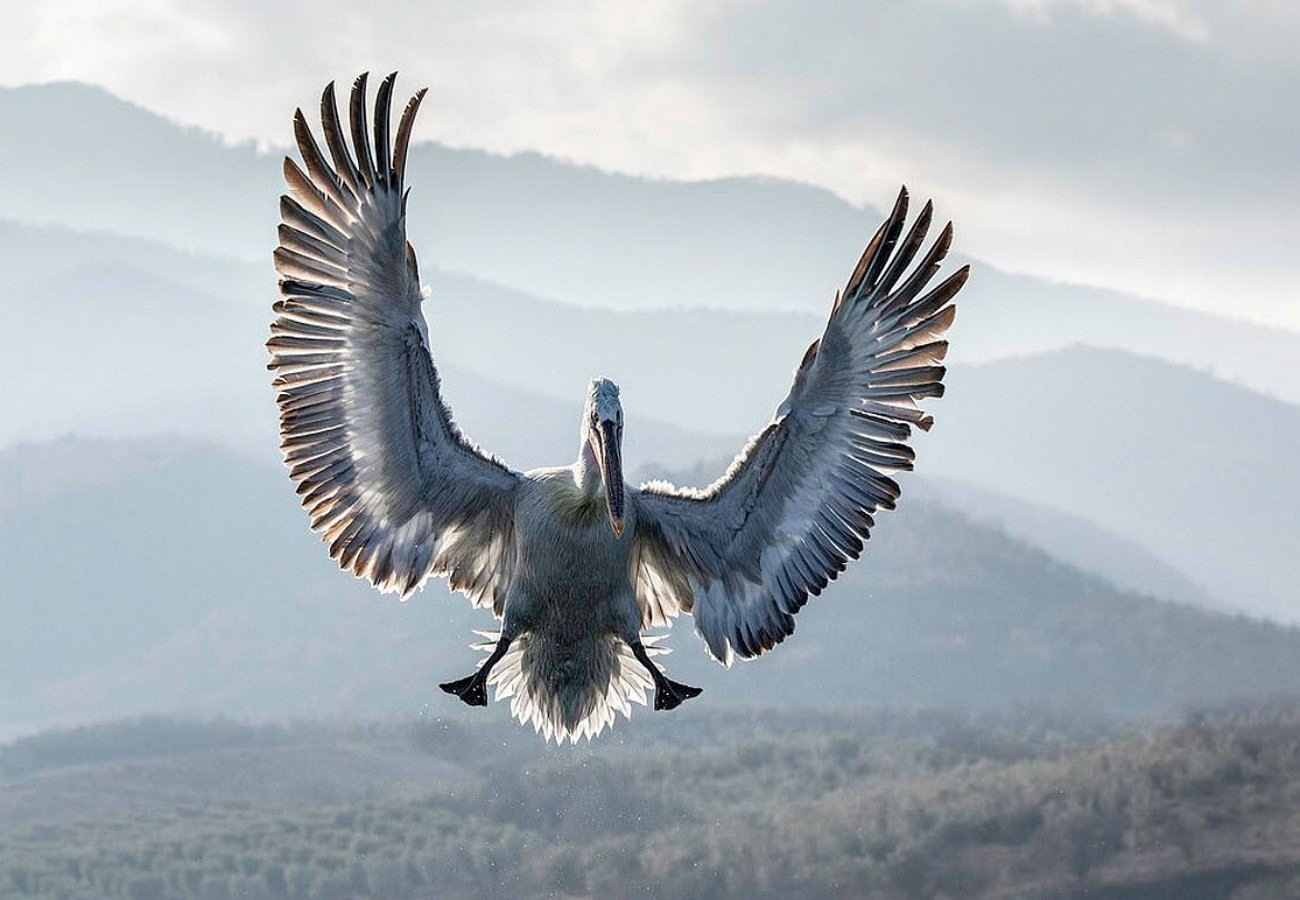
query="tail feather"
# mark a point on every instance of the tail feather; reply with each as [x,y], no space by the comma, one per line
[561,702]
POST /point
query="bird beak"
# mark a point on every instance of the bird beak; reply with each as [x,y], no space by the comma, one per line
[611,457]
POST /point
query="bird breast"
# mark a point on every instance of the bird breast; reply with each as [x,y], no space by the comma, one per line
[567,549]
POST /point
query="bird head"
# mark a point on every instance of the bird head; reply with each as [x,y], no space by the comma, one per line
[602,425]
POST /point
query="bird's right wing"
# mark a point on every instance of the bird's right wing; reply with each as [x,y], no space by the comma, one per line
[389,481]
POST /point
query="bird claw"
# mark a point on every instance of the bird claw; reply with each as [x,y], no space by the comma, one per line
[472,689]
[670,694]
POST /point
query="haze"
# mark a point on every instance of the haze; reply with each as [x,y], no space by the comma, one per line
[1068,663]
[1130,144]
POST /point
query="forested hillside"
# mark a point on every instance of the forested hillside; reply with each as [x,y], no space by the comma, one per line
[768,805]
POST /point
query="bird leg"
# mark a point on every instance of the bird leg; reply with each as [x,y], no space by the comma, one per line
[473,688]
[669,694]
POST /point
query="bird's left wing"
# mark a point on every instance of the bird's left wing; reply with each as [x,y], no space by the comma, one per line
[391,484]
[744,555]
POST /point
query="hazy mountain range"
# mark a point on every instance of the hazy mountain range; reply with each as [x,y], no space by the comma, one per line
[1068,537]
[570,233]
[169,575]
[1199,471]
[1129,443]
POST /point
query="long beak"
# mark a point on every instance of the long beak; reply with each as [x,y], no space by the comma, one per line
[611,457]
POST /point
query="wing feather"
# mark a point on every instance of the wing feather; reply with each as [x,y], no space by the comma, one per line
[798,503]
[388,480]
[357,119]
[343,164]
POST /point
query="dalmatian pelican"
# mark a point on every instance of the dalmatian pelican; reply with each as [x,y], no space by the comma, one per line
[576,565]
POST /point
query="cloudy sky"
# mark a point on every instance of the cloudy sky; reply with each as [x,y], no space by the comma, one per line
[1148,145]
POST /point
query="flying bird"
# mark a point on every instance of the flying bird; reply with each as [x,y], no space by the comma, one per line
[577,565]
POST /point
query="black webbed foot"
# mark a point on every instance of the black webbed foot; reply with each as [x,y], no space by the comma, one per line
[472,689]
[669,694]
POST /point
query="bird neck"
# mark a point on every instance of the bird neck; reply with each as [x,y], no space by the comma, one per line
[586,471]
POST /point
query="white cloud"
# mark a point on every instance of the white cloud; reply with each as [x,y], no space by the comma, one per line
[1176,17]
[1136,144]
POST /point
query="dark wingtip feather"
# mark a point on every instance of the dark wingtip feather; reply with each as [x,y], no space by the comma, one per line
[404,134]
[357,119]
[322,175]
[329,116]
[860,270]
[878,249]
[900,205]
[301,131]
[382,122]
[892,229]
[944,242]
[907,251]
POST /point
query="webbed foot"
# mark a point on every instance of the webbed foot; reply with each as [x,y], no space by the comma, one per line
[472,689]
[669,694]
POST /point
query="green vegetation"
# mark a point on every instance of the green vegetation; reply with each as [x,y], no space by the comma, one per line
[134,739]
[757,805]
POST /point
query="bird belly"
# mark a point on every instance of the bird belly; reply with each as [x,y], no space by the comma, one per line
[573,573]
[570,607]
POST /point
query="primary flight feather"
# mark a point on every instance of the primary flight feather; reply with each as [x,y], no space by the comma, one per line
[575,563]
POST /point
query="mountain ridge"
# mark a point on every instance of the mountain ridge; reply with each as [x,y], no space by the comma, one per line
[183,579]
[1151,451]
[577,234]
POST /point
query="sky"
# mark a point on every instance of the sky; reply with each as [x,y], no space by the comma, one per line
[1144,145]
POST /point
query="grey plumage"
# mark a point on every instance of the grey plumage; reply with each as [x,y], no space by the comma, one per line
[575,563]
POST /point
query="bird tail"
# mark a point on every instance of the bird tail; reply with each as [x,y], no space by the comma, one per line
[575,696]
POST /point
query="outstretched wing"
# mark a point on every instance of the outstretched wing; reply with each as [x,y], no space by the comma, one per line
[744,555]
[388,480]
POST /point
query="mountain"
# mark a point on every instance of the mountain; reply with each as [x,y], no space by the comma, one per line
[168,357]
[152,321]
[1065,537]
[129,336]
[1198,471]
[112,350]
[1070,538]
[103,343]
[38,254]
[81,157]
[575,234]
[706,370]
[173,576]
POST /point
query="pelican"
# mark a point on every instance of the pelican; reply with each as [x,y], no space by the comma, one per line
[577,566]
